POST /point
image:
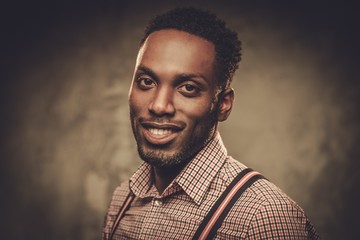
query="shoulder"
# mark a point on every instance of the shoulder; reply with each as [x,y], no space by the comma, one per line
[276,215]
[230,170]
[261,193]
[118,198]
[116,202]
[264,211]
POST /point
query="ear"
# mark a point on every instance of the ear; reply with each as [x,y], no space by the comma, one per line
[226,99]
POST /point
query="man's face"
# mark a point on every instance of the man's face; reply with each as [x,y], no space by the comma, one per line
[173,97]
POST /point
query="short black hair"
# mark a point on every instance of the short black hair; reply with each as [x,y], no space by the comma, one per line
[208,26]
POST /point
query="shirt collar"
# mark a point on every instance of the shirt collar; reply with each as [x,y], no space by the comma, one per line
[141,180]
[194,179]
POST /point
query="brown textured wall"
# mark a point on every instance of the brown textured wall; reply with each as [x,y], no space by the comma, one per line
[66,141]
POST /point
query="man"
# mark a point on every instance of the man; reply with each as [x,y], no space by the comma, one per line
[180,91]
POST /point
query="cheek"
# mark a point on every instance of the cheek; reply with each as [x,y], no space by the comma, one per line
[136,102]
[196,112]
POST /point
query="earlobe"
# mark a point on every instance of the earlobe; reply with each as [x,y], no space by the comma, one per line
[226,102]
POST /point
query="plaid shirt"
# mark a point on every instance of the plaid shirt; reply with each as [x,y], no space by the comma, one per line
[262,212]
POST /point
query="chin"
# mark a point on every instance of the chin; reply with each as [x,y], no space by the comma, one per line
[164,159]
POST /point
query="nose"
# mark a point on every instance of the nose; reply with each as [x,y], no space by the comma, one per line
[162,103]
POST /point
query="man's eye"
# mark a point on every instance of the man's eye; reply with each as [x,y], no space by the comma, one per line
[189,90]
[145,83]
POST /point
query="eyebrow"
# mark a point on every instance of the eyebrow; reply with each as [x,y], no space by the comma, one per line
[147,71]
[178,78]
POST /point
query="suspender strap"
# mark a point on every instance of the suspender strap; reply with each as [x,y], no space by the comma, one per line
[122,210]
[218,212]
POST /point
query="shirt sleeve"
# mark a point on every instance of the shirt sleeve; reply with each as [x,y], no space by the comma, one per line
[281,220]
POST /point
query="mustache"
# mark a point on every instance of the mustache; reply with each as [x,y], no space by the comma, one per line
[162,121]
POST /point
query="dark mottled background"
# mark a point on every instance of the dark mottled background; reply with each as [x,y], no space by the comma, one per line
[65,137]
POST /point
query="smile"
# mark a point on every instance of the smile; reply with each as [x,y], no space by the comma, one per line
[156,132]
[161,133]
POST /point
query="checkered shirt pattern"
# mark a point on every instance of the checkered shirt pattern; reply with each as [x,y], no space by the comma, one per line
[262,212]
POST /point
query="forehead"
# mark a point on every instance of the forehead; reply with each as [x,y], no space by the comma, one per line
[173,51]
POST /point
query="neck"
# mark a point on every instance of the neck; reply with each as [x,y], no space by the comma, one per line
[164,176]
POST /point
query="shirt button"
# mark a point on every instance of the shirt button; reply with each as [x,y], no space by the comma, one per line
[157,202]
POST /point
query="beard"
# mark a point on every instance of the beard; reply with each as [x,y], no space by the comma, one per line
[159,156]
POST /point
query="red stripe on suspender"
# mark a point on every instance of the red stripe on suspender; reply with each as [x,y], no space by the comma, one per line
[224,203]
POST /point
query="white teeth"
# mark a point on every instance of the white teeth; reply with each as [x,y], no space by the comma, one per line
[160,132]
